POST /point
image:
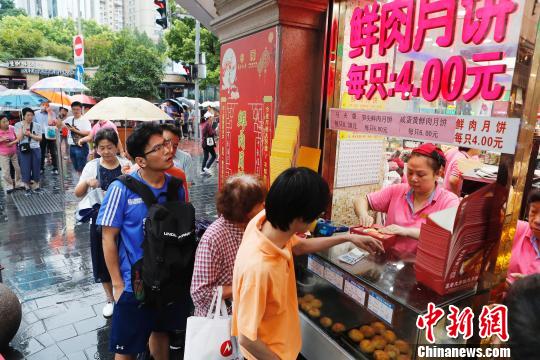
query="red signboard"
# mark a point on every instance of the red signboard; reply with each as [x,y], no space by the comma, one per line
[248,99]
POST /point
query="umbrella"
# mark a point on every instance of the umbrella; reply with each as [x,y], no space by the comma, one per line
[59,98]
[59,83]
[126,108]
[188,102]
[174,101]
[84,99]
[18,99]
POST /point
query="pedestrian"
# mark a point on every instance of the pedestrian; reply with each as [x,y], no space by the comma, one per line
[181,161]
[185,123]
[8,156]
[121,216]
[60,117]
[29,152]
[453,177]
[208,134]
[78,128]
[102,124]
[238,201]
[44,117]
[265,307]
[99,173]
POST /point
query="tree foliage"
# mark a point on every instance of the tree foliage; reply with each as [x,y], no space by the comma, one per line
[180,39]
[7,8]
[129,68]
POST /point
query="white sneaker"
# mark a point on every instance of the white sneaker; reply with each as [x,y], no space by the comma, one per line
[108,309]
[203,172]
[208,171]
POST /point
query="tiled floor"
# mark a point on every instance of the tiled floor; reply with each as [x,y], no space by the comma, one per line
[47,263]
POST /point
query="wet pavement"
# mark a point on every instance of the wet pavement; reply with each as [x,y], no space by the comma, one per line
[48,265]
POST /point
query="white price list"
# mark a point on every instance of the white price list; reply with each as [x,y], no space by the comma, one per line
[355,291]
[334,277]
[315,266]
[380,307]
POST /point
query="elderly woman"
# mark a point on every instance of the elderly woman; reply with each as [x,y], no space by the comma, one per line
[239,200]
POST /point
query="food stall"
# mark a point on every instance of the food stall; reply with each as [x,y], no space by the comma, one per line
[401,73]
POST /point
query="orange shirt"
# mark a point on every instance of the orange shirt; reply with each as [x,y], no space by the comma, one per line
[265,305]
[179,173]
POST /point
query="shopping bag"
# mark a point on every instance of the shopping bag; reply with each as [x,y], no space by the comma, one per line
[89,206]
[209,338]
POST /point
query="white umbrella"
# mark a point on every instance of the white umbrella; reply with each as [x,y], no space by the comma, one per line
[59,83]
[126,108]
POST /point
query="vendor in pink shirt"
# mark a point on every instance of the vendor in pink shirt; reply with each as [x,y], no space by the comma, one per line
[453,177]
[407,206]
[525,258]
[102,124]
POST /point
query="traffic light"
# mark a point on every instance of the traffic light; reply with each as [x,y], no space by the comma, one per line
[162,10]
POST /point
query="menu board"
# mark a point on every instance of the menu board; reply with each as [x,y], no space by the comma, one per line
[358,162]
[380,307]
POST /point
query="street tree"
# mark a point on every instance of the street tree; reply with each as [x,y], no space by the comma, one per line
[7,8]
[129,68]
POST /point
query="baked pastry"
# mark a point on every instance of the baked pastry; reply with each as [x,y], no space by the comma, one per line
[389,335]
[402,346]
[326,321]
[403,357]
[392,351]
[379,342]
[380,355]
[314,312]
[309,297]
[378,327]
[356,335]
[338,327]
[368,331]
[367,346]
[316,303]
[305,306]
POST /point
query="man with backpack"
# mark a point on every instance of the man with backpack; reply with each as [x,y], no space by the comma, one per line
[149,246]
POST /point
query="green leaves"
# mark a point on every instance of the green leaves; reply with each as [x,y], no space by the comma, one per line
[130,68]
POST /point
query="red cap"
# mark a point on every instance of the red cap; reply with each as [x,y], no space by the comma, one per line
[430,150]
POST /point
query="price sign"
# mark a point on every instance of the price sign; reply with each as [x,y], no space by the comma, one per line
[315,266]
[356,291]
[380,307]
[334,277]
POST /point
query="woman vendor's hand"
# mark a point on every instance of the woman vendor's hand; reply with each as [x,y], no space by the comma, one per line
[366,220]
[395,230]
[371,245]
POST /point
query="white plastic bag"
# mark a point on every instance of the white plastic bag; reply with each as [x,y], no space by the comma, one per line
[209,338]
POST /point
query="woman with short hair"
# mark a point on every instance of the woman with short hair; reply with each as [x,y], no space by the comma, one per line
[29,150]
[238,201]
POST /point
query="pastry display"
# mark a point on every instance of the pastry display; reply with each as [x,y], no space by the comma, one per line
[389,336]
[379,342]
[378,327]
[338,327]
[326,321]
[314,312]
[356,335]
[392,351]
[367,346]
[380,355]
[368,331]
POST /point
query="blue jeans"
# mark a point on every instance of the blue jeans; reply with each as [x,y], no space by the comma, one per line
[30,164]
[79,156]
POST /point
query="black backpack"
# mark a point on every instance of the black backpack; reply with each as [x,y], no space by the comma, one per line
[163,275]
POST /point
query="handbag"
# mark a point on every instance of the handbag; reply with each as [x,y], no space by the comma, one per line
[209,338]
[25,147]
[89,206]
[210,141]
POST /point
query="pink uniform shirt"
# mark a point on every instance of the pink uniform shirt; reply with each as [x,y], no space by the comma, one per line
[397,202]
[449,155]
[6,149]
[525,252]
[453,170]
[108,124]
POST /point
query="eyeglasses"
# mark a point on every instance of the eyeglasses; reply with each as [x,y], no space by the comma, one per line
[159,147]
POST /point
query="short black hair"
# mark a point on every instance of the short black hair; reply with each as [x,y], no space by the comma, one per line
[106,134]
[62,108]
[534,196]
[464,148]
[171,128]
[297,193]
[27,110]
[137,141]
[523,303]
[76,103]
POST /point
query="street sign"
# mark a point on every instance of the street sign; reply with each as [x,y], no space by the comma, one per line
[78,49]
[79,73]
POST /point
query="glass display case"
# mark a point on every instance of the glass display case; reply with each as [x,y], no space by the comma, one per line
[378,296]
